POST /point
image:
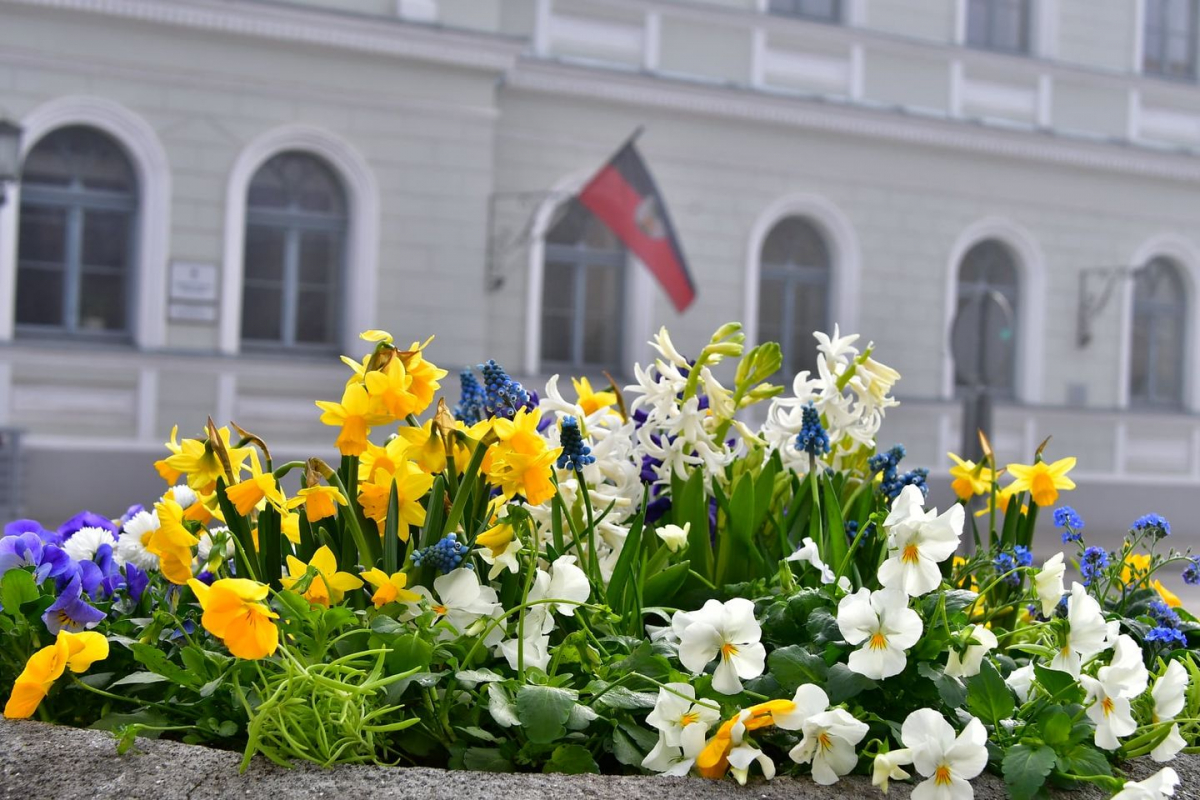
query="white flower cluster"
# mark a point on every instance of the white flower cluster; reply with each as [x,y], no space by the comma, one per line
[851,408]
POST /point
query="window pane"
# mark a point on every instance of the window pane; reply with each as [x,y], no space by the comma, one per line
[297,181]
[106,239]
[556,337]
[82,157]
[313,323]
[39,296]
[319,257]
[1139,367]
[43,234]
[795,242]
[808,315]
[102,302]
[558,311]
[264,252]
[261,313]
[1167,361]
[602,314]
[770,310]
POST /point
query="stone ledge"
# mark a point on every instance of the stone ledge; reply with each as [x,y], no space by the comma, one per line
[49,761]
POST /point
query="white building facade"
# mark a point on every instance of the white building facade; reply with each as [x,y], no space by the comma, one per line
[217,195]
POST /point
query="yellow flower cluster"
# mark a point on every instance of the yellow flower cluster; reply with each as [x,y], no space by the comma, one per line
[73,651]
[1043,481]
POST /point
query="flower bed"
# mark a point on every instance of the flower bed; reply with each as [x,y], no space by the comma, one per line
[630,581]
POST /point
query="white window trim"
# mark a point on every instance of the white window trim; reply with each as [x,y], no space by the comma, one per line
[640,289]
[1185,254]
[845,258]
[1031,267]
[362,240]
[1043,27]
[149,159]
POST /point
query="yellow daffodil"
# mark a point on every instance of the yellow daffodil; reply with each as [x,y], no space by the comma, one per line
[388,387]
[522,461]
[425,447]
[1134,571]
[1000,502]
[169,474]
[387,458]
[197,459]
[1169,597]
[412,484]
[289,526]
[965,581]
[970,478]
[235,614]
[591,401]
[328,586]
[73,651]
[355,417]
[389,589]
[375,335]
[425,375]
[172,543]
[496,539]
[247,494]
[319,502]
[463,452]
[1042,480]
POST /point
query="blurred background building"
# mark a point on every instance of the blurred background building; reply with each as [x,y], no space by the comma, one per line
[217,195]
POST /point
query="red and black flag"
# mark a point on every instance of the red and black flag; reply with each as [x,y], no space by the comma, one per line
[623,196]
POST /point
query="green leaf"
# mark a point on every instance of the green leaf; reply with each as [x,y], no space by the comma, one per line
[950,689]
[793,666]
[661,588]
[625,751]
[479,733]
[543,711]
[823,627]
[1056,726]
[16,589]
[1061,686]
[155,660]
[623,697]
[1084,759]
[486,759]
[502,709]
[572,759]
[622,594]
[843,683]
[409,651]
[391,535]
[693,508]
[477,676]
[137,678]
[835,528]
[1025,769]
[988,696]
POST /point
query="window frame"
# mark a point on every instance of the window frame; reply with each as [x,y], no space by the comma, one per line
[1012,293]
[294,222]
[795,275]
[836,17]
[1164,36]
[75,201]
[1025,46]
[1142,308]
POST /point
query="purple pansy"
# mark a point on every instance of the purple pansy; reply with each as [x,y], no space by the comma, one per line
[28,550]
[85,519]
[70,612]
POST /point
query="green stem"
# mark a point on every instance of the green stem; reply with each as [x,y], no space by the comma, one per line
[368,550]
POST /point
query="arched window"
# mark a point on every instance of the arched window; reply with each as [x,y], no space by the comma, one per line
[583,291]
[295,244]
[75,251]
[985,328]
[793,294]
[1159,322]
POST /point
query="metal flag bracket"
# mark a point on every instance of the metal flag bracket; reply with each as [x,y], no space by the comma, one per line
[1096,286]
[512,217]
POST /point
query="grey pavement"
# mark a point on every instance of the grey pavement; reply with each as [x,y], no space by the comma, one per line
[45,761]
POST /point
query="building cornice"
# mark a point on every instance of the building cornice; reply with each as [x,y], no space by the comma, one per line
[814,113]
[312,26]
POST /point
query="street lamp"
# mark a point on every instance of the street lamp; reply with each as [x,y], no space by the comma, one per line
[10,154]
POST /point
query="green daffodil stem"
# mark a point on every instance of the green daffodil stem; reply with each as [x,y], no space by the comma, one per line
[529,576]
[459,504]
[368,551]
[284,469]
[593,561]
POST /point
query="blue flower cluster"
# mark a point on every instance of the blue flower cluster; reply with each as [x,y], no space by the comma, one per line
[447,554]
[1093,563]
[1005,563]
[504,397]
[892,481]
[1164,615]
[1024,556]
[575,454]
[1191,573]
[472,405]
[1154,524]
[812,438]
[1066,517]
[1166,637]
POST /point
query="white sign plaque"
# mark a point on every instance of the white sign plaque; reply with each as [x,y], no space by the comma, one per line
[194,281]
[185,312]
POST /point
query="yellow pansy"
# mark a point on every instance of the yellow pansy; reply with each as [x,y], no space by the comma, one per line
[389,589]
[1043,481]
[247,494]
[73,651]
[591,401]
[172,543]
[320,502]
[412,484]
[235,614]
[713,760]
[355,417]
[970,478]
[425,447]
[328,586]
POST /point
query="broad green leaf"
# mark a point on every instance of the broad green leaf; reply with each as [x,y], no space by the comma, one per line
[1084,759]
[486,759]
[138,678]
[16,589]
[793,666]
[988,696]
[1062,686]
[1056,726]
[1025,769]
[543,711]
[843,683]
[409,651]
[502,709]
[693,508]
[623,697]
[950,689]
[625,751]
[661,588]
[572,759]
[156,661]
[472,677]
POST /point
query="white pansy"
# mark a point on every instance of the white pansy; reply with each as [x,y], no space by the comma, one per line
[536,652]
[1158,786]
[673,714]
[1168,695]
[886,627]
[808,553]
[674,537]
[1020,680]
[565,582]
[131,546]
[677,759]
[887,767]
[728,632]
[966,664]
[828,744]
[947,762]
[918,543]
[460,601]
[744,753]
[84,543]
[1087,634]
[1048,583]
[1110,692]
[808,701]
[506,559]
